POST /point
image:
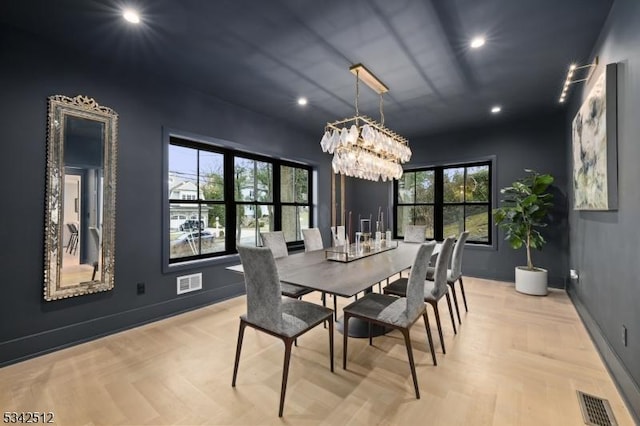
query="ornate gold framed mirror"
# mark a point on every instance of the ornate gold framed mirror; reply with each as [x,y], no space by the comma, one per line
[80,197]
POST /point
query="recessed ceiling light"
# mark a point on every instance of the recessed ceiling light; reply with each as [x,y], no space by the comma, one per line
[496,109]
[302,101]
[477,42]
[131,16]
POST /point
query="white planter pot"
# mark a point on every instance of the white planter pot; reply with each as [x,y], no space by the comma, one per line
[531,282]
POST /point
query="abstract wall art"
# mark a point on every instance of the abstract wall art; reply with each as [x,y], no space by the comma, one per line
[594,134]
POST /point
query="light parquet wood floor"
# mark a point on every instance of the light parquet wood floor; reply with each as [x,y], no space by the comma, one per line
[517,360]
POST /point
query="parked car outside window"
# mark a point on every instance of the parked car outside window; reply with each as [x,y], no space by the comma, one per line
[191,225]
[191,243]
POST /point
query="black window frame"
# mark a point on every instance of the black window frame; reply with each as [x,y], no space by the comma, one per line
[229,155]
[297,243]
[439,203]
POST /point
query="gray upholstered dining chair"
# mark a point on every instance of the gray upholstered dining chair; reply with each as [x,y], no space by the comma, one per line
[276,242]
[72,245]
[338,235]
[433,290]
[268,312]
[312,239]
[398,313]
[455,273]
[415,233]
[339,239]
[312,242]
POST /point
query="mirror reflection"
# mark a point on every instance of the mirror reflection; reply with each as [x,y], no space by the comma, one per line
[80,216]
[82,200]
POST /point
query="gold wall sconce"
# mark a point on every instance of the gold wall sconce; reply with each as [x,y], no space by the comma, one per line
[577,74]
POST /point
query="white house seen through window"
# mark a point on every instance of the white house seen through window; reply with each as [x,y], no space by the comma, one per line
[219,198]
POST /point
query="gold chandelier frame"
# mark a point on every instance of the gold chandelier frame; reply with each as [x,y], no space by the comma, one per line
[377,154]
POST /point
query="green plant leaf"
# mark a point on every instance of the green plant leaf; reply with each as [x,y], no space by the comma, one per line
[524,209]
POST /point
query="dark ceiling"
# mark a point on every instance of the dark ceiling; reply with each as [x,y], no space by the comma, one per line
[264,54]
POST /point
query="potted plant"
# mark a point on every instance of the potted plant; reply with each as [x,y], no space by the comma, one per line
[524,209]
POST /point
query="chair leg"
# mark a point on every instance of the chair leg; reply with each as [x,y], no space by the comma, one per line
[345,339]
[453,321]
[412,365]
[69,243]
[437,313]
[455,301]
[335,307]
[429,338]
[464,298]
[72,241]
[285,373]
[238,350]
[331,342]
[370,335]
[74,245]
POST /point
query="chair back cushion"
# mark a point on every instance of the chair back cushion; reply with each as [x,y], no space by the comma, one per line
[264,302]
[456,259]
[415,286]
[442,266]
[415,233]
[276,242]
[312,239]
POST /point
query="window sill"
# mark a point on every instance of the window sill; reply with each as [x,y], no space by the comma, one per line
[475,246]
[201,263]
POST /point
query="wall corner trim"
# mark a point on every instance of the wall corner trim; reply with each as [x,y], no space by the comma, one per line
[627,387]
[44,342]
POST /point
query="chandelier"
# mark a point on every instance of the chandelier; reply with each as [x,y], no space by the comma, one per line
[362,147]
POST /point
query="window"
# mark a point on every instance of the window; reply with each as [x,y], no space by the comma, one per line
[253,193]
[448,200]
[196,191]
[219,198]
[295,201]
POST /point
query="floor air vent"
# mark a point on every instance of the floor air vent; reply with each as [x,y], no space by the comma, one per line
[596,411]
[189,283]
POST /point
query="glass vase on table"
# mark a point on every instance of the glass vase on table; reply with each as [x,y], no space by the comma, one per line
[379,236]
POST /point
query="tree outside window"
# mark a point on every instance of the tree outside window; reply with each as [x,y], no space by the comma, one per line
[219,198]
[448,200]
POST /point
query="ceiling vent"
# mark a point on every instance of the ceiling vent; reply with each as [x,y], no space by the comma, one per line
[187,283]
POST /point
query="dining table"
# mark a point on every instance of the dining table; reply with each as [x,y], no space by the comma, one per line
[319,270]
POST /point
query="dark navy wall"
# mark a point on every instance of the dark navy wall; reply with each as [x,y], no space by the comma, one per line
[604,245]
[31,71]
[534,142]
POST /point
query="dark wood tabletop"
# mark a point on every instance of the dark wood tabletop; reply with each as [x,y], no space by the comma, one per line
[313,270]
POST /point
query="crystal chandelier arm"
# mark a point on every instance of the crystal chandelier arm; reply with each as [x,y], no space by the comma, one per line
[361,146]
[367,120]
